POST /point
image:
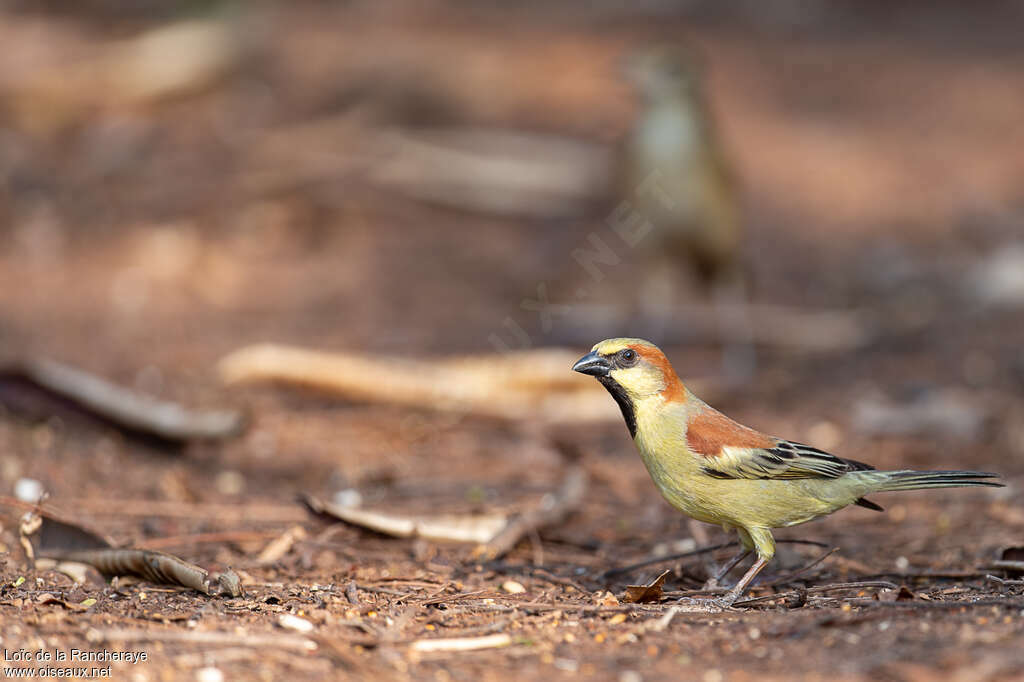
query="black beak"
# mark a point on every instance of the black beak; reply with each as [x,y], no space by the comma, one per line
[593,364]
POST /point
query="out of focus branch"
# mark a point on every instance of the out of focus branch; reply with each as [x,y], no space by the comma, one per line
[535,384]
[122,407]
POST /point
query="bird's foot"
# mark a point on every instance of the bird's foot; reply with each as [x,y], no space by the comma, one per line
[726,600]
[703,605]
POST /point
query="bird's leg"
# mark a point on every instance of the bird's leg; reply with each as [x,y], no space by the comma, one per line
[733,595]
[762,541]
[714,581]
[719,604]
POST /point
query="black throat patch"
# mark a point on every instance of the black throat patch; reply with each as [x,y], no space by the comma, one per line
[625,404]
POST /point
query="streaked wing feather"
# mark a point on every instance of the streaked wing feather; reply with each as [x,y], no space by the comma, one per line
[785,460]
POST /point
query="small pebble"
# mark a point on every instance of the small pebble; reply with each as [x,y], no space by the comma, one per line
[28,490]
[566,665]
[349,497]
[290,622]
[512,587]
[209,675]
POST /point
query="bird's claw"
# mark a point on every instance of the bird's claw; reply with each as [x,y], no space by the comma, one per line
[705,605]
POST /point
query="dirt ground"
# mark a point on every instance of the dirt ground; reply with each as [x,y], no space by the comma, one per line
[145,237]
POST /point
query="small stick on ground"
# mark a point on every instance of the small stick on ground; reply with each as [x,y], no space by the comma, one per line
[1003,581]
[554,508]
[461,643]
[881,584]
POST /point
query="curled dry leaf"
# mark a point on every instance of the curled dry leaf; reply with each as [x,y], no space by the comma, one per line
[46,599]
[156,567]
[450,528]
[651,592]
[903,593]
[64,541]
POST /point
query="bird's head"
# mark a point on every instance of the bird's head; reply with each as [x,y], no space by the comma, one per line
[664,72]
[633,371]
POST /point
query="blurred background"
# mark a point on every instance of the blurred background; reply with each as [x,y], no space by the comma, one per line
[438,178]
[180,179]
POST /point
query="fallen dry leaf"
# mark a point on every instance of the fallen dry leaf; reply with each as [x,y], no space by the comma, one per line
[45,599]
[902,594]
[652,592]
[63,541]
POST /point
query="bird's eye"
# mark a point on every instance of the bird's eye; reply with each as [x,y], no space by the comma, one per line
[628,357]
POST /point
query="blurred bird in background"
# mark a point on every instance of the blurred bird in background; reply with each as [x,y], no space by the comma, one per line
[671,169]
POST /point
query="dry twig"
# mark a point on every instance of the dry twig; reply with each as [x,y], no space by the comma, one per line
[554,508]
[534,384]
[124,408]
[461,643]
[450,528]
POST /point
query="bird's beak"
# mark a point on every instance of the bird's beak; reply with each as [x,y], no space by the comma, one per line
[593,364]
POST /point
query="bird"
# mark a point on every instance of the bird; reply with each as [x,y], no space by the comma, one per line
[672,168]
[721,472]
[672,171]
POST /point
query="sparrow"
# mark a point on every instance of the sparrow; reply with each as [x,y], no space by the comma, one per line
[672,171]
[721,472]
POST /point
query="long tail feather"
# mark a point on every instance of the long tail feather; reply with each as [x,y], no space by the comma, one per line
[913,480]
